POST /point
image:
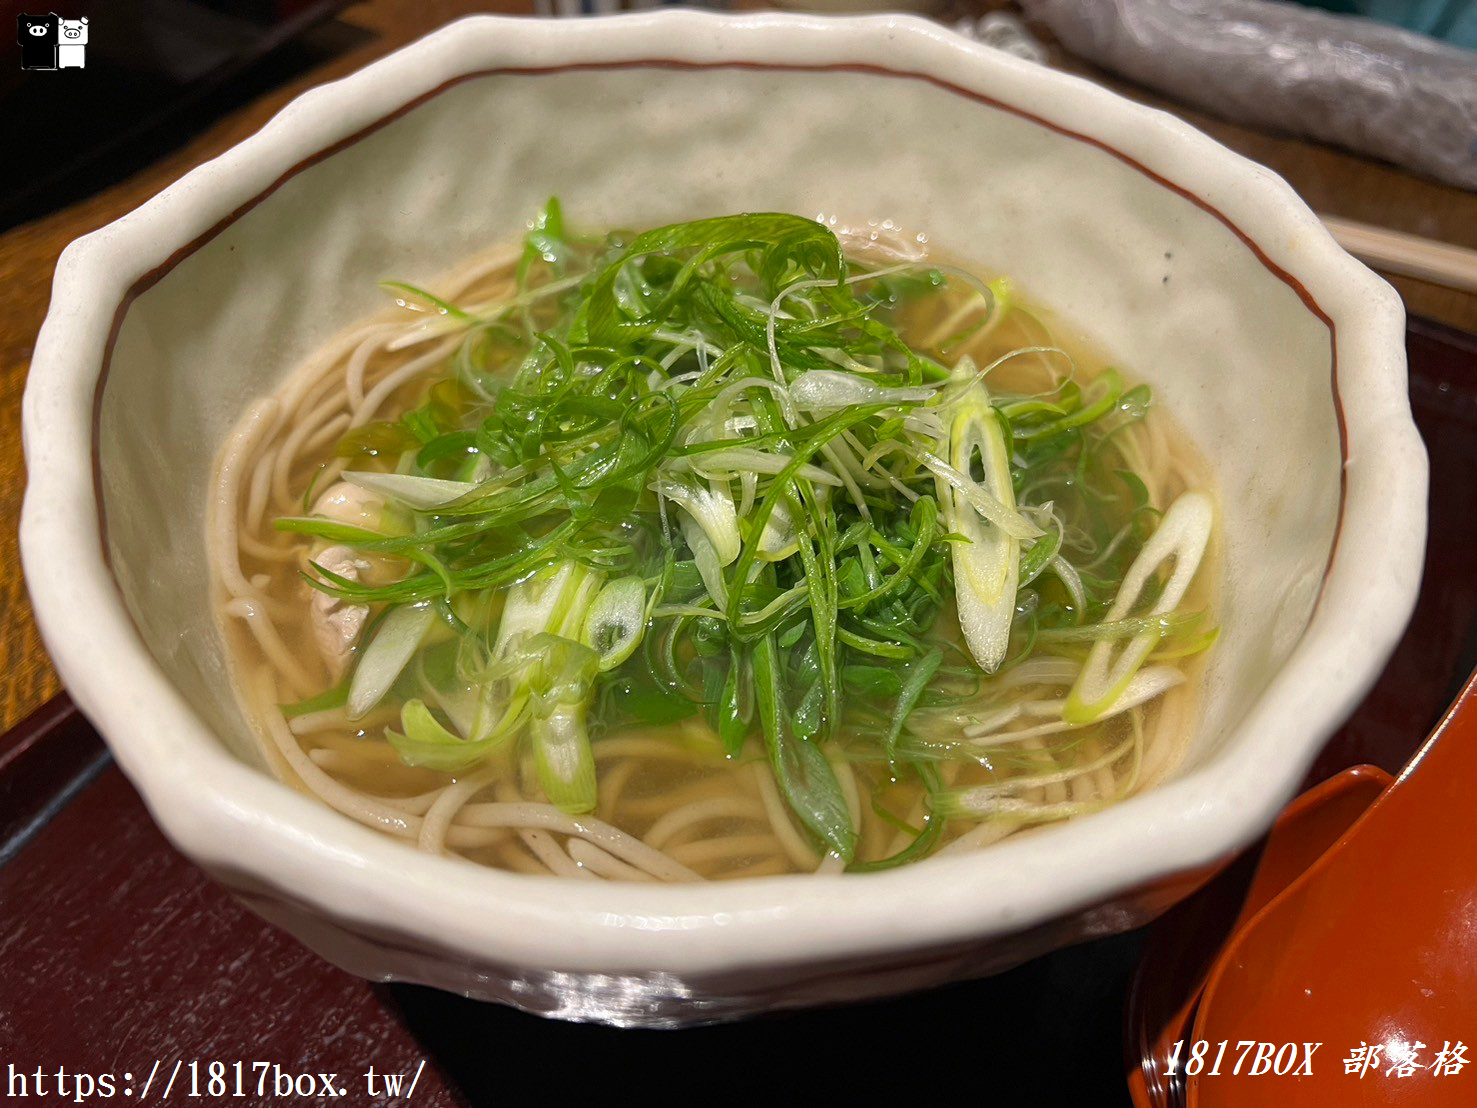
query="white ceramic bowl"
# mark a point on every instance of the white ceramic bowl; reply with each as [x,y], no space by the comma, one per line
[1196,269]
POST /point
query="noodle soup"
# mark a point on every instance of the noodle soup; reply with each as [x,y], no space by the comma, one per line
[723,550]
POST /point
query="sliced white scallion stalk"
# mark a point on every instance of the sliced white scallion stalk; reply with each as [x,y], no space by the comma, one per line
[706,560]
[397,639]
[1001,513]
[557,674]
[563,758]
[748,491]
[825,389]
[780,539]
[925,422]
[739,426]
[721,409]
[987,566]
[616,620]
[1181,538]
[711,511]
[554,600]
[460,706]
[551,604]
[425,742]
[420,493]
[737,459]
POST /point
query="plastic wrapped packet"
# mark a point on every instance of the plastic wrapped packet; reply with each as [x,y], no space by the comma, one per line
[1363,85]
[1005,32]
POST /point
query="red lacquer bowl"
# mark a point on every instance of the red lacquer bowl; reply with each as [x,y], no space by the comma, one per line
[1371,953]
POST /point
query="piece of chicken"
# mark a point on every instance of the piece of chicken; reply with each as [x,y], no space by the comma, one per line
[337,623]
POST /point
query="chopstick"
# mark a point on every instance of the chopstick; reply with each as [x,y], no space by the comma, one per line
[1408,255]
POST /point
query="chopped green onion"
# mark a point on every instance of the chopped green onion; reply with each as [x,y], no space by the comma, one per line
[1180,541]
[394,644]
[420,493]
[616,620]
[987,561]
[701,471]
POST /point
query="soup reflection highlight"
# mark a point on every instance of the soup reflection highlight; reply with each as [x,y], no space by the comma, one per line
[728,549]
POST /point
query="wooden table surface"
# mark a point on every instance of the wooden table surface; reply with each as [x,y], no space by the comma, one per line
[1331,181]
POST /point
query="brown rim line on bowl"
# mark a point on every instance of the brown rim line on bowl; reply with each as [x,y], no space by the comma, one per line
[1202,272]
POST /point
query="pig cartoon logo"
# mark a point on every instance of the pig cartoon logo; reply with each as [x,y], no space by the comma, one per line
[71,47]
[38,36]
[50,42]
